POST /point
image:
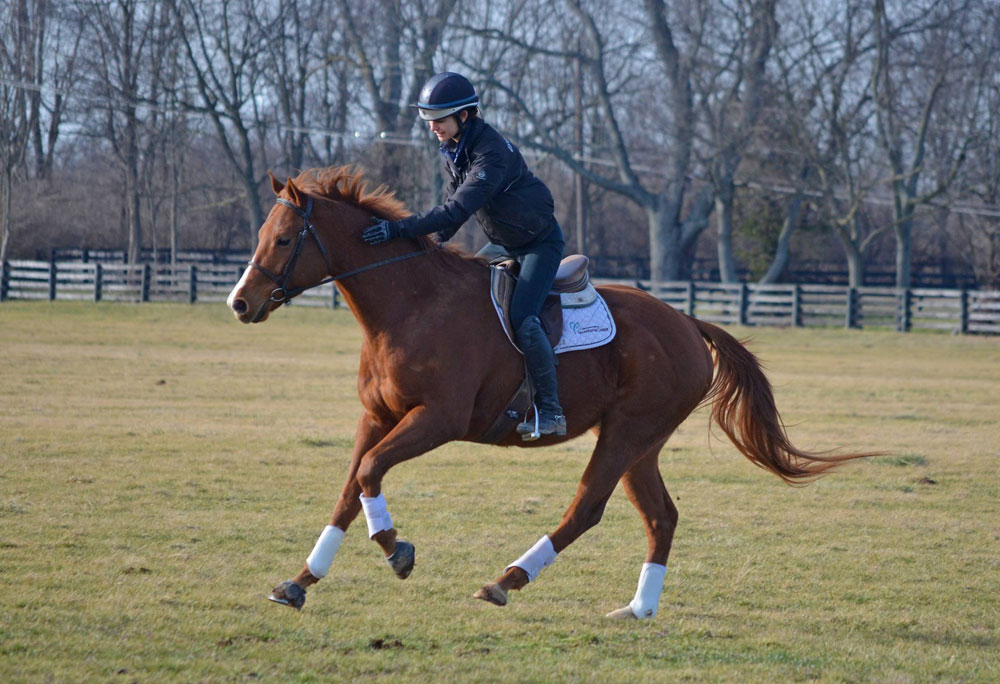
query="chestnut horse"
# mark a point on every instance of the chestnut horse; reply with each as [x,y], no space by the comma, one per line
[436,367]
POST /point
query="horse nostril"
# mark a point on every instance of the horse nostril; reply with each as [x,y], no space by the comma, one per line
[239,306]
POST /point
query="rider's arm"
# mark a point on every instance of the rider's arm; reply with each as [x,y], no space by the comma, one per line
[482,182]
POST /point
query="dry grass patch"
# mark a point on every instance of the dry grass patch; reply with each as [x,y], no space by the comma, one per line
[161,466]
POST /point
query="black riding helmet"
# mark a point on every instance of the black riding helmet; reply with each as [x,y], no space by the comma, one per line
[444,95]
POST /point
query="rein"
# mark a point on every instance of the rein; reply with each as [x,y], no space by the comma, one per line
[280,294]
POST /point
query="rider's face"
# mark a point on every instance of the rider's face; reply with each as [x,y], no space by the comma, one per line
[446,128]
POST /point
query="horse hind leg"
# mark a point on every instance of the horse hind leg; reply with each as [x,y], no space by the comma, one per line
[607,465]
[645,489]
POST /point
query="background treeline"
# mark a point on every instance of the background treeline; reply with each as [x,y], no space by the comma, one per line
[760,136]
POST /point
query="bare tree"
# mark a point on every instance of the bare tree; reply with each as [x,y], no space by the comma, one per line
[124,64]
[224,47]
[394,51]
[167,133]
[976,206]
[825,122]
[918,55]
[731,90]
[296,37]
[56,56]
[22,27]
[641,101]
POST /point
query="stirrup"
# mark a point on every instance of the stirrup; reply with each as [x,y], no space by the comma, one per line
[549,425]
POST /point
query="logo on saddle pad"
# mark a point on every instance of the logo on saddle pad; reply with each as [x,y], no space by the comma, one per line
[578,328]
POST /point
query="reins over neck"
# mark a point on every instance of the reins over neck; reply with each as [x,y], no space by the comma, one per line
[281,294]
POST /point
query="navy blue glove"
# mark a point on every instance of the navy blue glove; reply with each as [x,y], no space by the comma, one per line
[381,231]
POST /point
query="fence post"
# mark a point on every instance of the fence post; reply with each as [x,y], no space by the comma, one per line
[98,281]
[689,298]
[963,316]
[193,284]
[797,306]
[4,280]
[904,304]
[52,279]
[744,303]
[851,315]
[335,297]
[147,276]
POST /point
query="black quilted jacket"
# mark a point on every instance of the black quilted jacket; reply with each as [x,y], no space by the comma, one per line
[489,179]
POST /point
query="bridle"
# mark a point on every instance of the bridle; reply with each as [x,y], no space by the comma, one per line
[281,294]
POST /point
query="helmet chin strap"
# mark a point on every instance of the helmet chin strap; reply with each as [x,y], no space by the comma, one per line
[462,126]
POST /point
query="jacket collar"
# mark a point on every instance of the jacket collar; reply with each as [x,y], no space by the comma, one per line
[453,150]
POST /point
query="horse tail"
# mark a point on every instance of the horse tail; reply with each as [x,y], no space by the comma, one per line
[743,406]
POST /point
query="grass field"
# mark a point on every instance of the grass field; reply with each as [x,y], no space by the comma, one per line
[162,466]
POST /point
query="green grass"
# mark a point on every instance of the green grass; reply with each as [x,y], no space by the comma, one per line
[162,466]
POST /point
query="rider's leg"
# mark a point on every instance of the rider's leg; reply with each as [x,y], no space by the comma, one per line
[539,264]
[540,361]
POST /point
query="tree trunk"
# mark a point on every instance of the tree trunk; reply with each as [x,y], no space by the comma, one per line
[855,262]
[132,193]
[724,219]
[6,188]
[781,250]
[904,251]
[665,253]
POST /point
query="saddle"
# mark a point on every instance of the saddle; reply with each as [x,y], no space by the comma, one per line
[571,289]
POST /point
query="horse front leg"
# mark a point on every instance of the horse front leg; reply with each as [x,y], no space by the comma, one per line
[293,592]
[421,430]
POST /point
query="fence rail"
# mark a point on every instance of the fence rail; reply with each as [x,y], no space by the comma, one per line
[957,311]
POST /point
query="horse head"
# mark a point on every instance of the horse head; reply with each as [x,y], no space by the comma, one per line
[299,246]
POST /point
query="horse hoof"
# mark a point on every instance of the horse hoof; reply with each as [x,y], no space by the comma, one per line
[401,560]
[492,593]
[622,614]
[288,594]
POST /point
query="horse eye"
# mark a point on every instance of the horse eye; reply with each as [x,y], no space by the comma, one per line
[282,242]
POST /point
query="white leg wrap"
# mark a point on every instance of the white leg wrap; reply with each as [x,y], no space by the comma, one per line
[376,514]
[322,554]
[647,596]
[539,556]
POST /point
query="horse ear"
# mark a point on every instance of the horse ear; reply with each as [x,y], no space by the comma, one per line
[293,191]
[275,183]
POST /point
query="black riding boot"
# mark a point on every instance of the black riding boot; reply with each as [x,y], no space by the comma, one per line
[540,361]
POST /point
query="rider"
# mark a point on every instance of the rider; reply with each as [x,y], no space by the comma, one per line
[489,178]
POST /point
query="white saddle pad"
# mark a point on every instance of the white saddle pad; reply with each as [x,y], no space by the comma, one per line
[584,327]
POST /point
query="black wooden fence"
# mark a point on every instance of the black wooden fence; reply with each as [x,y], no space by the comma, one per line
[957,311]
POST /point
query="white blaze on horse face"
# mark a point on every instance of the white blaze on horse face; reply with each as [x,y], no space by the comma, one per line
[236,290]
